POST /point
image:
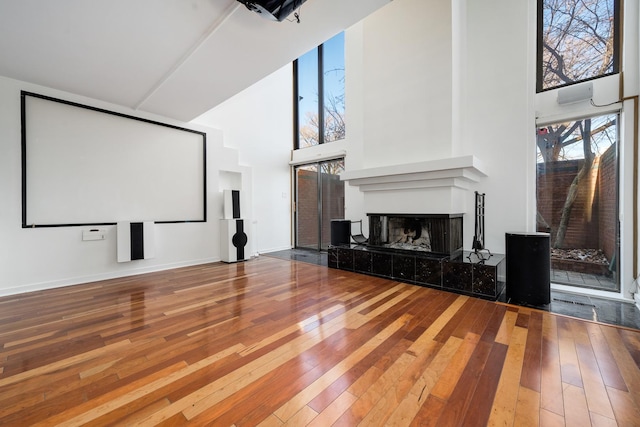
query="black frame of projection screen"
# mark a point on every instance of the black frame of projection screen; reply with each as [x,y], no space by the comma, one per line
[168,140]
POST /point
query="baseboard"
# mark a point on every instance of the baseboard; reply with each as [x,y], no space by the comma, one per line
[98,277]
[283,248]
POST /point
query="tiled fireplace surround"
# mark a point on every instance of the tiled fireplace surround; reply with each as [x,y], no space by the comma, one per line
[453,270]
[446,265]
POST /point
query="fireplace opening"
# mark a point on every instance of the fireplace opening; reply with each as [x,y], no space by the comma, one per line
[409,234]
[436,234]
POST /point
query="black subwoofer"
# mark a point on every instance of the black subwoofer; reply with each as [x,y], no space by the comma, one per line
[340,232]
[528,268]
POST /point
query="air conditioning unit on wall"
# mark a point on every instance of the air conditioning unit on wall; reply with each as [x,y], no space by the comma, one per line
[577,93]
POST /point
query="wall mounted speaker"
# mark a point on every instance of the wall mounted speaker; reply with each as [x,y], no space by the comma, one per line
[135,240]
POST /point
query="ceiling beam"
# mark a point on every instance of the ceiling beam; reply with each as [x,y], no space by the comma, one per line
[213,28]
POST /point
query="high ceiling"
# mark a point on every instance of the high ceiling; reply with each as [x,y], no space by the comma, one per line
[176,58]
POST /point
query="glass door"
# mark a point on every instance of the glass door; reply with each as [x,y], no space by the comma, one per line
[307,207]
[577,200]
[319,199]
[332,198]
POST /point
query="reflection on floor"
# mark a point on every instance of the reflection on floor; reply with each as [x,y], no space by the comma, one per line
[581,306]
[598,309]
[305,255]
[591,281]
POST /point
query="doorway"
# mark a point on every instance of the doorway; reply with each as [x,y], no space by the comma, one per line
[577,200]
[319,198]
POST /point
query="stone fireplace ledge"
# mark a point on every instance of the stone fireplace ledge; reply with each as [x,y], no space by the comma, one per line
[454,172]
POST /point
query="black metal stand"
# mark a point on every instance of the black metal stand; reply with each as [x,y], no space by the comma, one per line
[478,238]
[479,255]
[359,237]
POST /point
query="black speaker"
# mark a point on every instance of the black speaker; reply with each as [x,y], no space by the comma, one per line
[231,204]
[235,203]
[528,268]
[340,232]
[233,240]
[137,241]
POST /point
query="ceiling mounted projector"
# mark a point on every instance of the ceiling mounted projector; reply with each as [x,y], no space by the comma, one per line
[276,10]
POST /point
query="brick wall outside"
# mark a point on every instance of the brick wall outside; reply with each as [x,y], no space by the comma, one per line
[592,222]
[307,206]
[554,180]
[608,203]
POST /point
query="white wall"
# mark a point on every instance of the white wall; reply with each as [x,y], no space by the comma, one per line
[403,89]
[38,258]
[498,124]
[406,78]
[258,121]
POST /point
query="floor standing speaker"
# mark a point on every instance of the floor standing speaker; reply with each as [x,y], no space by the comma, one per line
[233,240]
[528,268]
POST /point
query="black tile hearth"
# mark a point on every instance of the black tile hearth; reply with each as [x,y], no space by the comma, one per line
[362,262]
[404,267]
[429,272]
[457,276]
[382,264]
[345,259]
[464,273]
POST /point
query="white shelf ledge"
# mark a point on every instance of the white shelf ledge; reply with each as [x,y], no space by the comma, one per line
[454,172]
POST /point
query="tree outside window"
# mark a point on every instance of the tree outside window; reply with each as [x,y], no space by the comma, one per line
[319,93]
[577,41]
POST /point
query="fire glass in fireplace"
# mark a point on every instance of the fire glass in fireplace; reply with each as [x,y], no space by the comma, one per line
[439,234]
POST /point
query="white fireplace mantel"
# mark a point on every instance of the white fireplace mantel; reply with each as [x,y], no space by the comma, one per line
[454,172]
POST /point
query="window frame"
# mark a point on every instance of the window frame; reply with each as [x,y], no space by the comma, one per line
[618,274]
[321,100]
[617,54]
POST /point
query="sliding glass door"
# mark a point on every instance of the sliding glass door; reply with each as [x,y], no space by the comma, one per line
[577,200]
[319,199]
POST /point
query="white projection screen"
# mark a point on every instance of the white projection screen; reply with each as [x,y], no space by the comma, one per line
[87,166]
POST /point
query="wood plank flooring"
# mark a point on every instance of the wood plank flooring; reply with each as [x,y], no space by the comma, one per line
[271,342]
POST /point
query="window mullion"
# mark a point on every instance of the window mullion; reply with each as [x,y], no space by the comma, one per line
[320,95]
[296,107]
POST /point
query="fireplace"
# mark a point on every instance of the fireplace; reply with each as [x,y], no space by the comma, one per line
[436,234]
[422,249]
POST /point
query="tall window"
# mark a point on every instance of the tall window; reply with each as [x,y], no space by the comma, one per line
[319,94]
[577,40]
[577,170]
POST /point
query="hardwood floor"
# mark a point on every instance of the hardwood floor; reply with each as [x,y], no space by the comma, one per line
[272,342]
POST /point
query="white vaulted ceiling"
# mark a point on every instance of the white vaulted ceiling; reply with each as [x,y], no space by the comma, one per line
[176,58]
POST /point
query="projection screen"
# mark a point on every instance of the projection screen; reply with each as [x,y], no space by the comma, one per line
[88,166]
